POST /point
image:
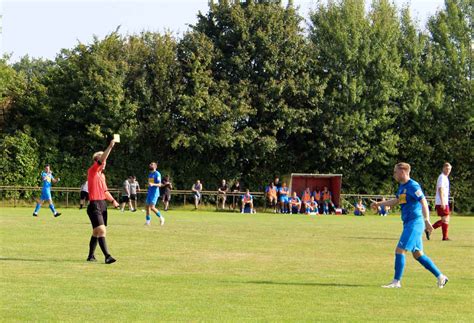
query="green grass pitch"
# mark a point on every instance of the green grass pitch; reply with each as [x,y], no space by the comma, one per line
[205,266]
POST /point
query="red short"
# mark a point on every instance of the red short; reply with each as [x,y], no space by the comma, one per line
[441,211]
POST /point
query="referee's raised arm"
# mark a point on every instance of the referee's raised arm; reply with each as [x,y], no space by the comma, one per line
[106,153]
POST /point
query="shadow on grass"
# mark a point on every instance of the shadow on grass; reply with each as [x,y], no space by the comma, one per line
[269,282]
[372,238]
[40,260]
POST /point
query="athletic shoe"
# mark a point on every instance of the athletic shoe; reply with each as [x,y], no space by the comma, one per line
[447,239]
[35,214]
[91,258]
[428,234]
[147,223]
[109,260]
[393,284]
[442,281]
[242,211]
[57,214]
[162,220]
[134,210]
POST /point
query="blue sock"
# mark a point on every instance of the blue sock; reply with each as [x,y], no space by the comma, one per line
[148,218]
[429,264]
[158,214]
[399,265]
[37,208]
[51,206]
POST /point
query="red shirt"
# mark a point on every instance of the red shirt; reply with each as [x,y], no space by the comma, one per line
[95,182]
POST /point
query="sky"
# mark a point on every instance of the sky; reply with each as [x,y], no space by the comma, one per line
[41,28]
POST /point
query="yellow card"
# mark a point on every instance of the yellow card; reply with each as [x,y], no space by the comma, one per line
[117,138]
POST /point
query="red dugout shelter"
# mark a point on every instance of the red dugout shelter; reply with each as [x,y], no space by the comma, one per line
[299,182]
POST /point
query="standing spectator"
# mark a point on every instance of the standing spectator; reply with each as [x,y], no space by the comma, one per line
[247,200]
[319,199]
[277,183]
[305,198]
[222,193]
[272,197]
[84,195]
[47,178]
[235,189]
[328,205]
[284,192]
[359,208]
[134,188]
[442,202]
[166,188]
[197,189]
[125,195]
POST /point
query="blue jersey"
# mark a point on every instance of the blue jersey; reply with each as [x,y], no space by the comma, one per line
[47,179]
[409,196]
[154,178]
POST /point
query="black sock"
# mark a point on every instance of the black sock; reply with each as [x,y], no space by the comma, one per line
[92,245]
[103,246]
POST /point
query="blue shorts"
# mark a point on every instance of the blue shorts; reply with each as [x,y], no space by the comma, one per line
[411,240]
[152,199]
[284,199]
[45,195]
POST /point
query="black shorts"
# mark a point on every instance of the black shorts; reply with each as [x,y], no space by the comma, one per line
[167,197]
[124,199]
[84,195]
[97,212]
[133,197]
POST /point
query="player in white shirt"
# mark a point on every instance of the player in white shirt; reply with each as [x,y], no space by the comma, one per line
[442,201]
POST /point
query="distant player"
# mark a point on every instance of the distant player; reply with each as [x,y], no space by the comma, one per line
[414,208]
[442,202]
[166,187]
[134,188]
[97,208]
[47,178]
[154,183]
[84,195]
[125,195]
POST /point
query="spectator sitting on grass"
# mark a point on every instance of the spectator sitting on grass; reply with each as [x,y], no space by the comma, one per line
[295,204]
[382,210]
[359,208]
[247,200]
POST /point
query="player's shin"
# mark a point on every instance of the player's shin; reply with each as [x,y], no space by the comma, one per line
[429,264]
[399,266]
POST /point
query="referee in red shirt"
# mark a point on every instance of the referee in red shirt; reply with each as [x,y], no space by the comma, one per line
[97,209]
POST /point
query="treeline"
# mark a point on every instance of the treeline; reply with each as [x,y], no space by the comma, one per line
[249,92]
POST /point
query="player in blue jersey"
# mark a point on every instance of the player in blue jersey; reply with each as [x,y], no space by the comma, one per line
[154,183]
[47,178]
[416,219]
